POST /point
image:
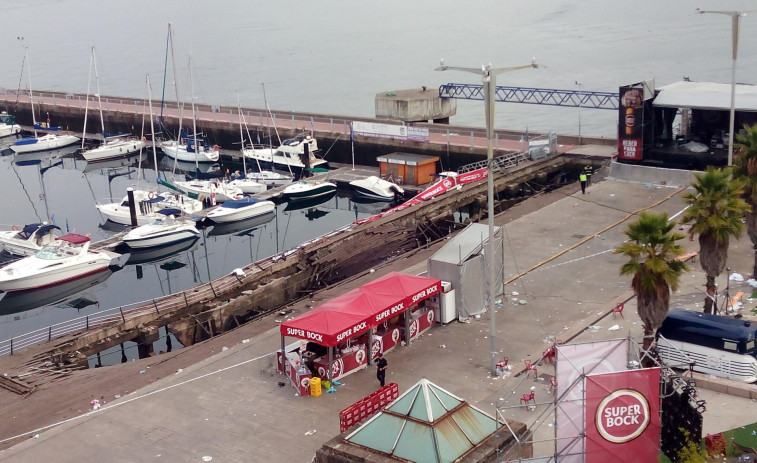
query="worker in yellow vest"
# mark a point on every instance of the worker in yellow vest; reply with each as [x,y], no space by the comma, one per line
[588,171]
[582,179]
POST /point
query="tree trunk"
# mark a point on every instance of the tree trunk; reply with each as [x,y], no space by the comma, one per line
[751,227]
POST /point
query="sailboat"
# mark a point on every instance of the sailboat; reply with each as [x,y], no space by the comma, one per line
[243,181]
[197,148]
[218,191]
[266,177]
[8,125]
[149,202]
[49,141]
[112,147]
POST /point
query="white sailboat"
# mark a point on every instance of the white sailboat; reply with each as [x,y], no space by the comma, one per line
[188,148]
[111,147]
[244,181]
[218,191]
[49,141]
[148,201]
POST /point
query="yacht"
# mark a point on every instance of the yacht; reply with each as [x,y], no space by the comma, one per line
[290,155]
[69,258]
[29,239]
[148,204]
[376,188]
[306,189]
[240,209]
[165,229]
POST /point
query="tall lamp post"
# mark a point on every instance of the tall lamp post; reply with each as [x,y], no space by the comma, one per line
[735,17]
[489,79]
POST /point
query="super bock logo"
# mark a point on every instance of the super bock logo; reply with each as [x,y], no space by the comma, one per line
[622,416]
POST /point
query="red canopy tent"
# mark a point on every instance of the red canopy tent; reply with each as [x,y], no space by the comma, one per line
[354,312]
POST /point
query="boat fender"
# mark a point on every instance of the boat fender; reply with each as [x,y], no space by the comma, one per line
[150,195]
[14,228]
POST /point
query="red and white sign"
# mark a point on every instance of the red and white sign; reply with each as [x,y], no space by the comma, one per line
[623,416]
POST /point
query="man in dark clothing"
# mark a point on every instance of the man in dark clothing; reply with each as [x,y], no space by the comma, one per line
[381,365]
[582,179]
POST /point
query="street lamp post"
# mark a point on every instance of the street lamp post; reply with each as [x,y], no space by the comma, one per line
[735,17]
[579,111]
[489,79]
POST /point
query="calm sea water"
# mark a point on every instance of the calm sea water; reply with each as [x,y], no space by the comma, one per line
[334,56]
[329,56]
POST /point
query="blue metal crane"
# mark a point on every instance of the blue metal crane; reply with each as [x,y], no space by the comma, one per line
[547,96]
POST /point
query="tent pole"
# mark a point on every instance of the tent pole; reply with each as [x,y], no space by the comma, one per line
[369,350]
[331,362]
[408,314]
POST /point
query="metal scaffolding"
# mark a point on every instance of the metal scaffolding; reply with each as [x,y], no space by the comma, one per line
[546,96]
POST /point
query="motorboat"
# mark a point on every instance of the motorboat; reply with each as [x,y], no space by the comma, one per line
[309,204]
[113,149]
[246,184]
[69,258]
[57,295]
[148,204]
[376,188]
[270,177]
[165,229]
[240,209]
[29,239]
[8,125]
[243,226]
[156,255]
[305,189]
[217,191]
[290,155]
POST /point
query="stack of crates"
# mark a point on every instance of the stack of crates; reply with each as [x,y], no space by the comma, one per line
[315,386]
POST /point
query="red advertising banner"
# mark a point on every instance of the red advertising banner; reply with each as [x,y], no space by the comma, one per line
[631,113]
[623,417]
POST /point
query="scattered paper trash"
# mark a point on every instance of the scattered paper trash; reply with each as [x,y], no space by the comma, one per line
[179,371]
[118,396]
[141,372]
[224,348]
[736,277]
[522,302]
[594,327]
[95,405]
[613,328]
[336,383]
[515,293]
[330,390]
[245,341]
[310,433]
[35,436]
[207,458]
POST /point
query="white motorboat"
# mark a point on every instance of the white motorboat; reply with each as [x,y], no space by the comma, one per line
[376,188]
[113,149]
[305,189]
[50,141]
[240,209]
[213,189]
[290,155]
[29,239]
[148,204]
[270,177]
[242,227]
[165,229]
[8,125]
[69,258]
[246,184]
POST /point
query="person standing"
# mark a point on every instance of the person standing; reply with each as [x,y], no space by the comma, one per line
[711,300]
[381,365]
[588,170]
[582,179]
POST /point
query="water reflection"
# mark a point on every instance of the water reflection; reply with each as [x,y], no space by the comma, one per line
[242,227]
[160,254]
[68,294]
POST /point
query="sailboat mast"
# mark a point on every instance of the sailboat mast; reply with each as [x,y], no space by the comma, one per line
[194,118]
[247,129]
[31,95]
[241,135]
[99,100]
[152,127]
[86,101]
[176,83]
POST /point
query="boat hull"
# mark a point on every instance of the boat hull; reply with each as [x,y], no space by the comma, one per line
[307,190]
[113,149]
[25,280]
[164,238]
[43,143]
[225,215]
[207,189]
[8,130]
[180,153]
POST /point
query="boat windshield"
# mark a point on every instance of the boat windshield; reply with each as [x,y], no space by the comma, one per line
[55,252]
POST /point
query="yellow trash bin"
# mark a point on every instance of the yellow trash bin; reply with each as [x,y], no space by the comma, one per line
[315,386]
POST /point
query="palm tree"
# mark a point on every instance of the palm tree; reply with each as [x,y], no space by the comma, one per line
[745,168]
[653,253]
[715,212]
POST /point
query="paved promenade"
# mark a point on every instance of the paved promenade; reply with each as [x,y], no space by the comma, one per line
[226,408]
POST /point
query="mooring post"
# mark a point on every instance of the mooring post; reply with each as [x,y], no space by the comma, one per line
[132,206]
[87,327]
[122,314]
[12,346]
[211,285]
[50,332]
[186,302]
[156,306]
